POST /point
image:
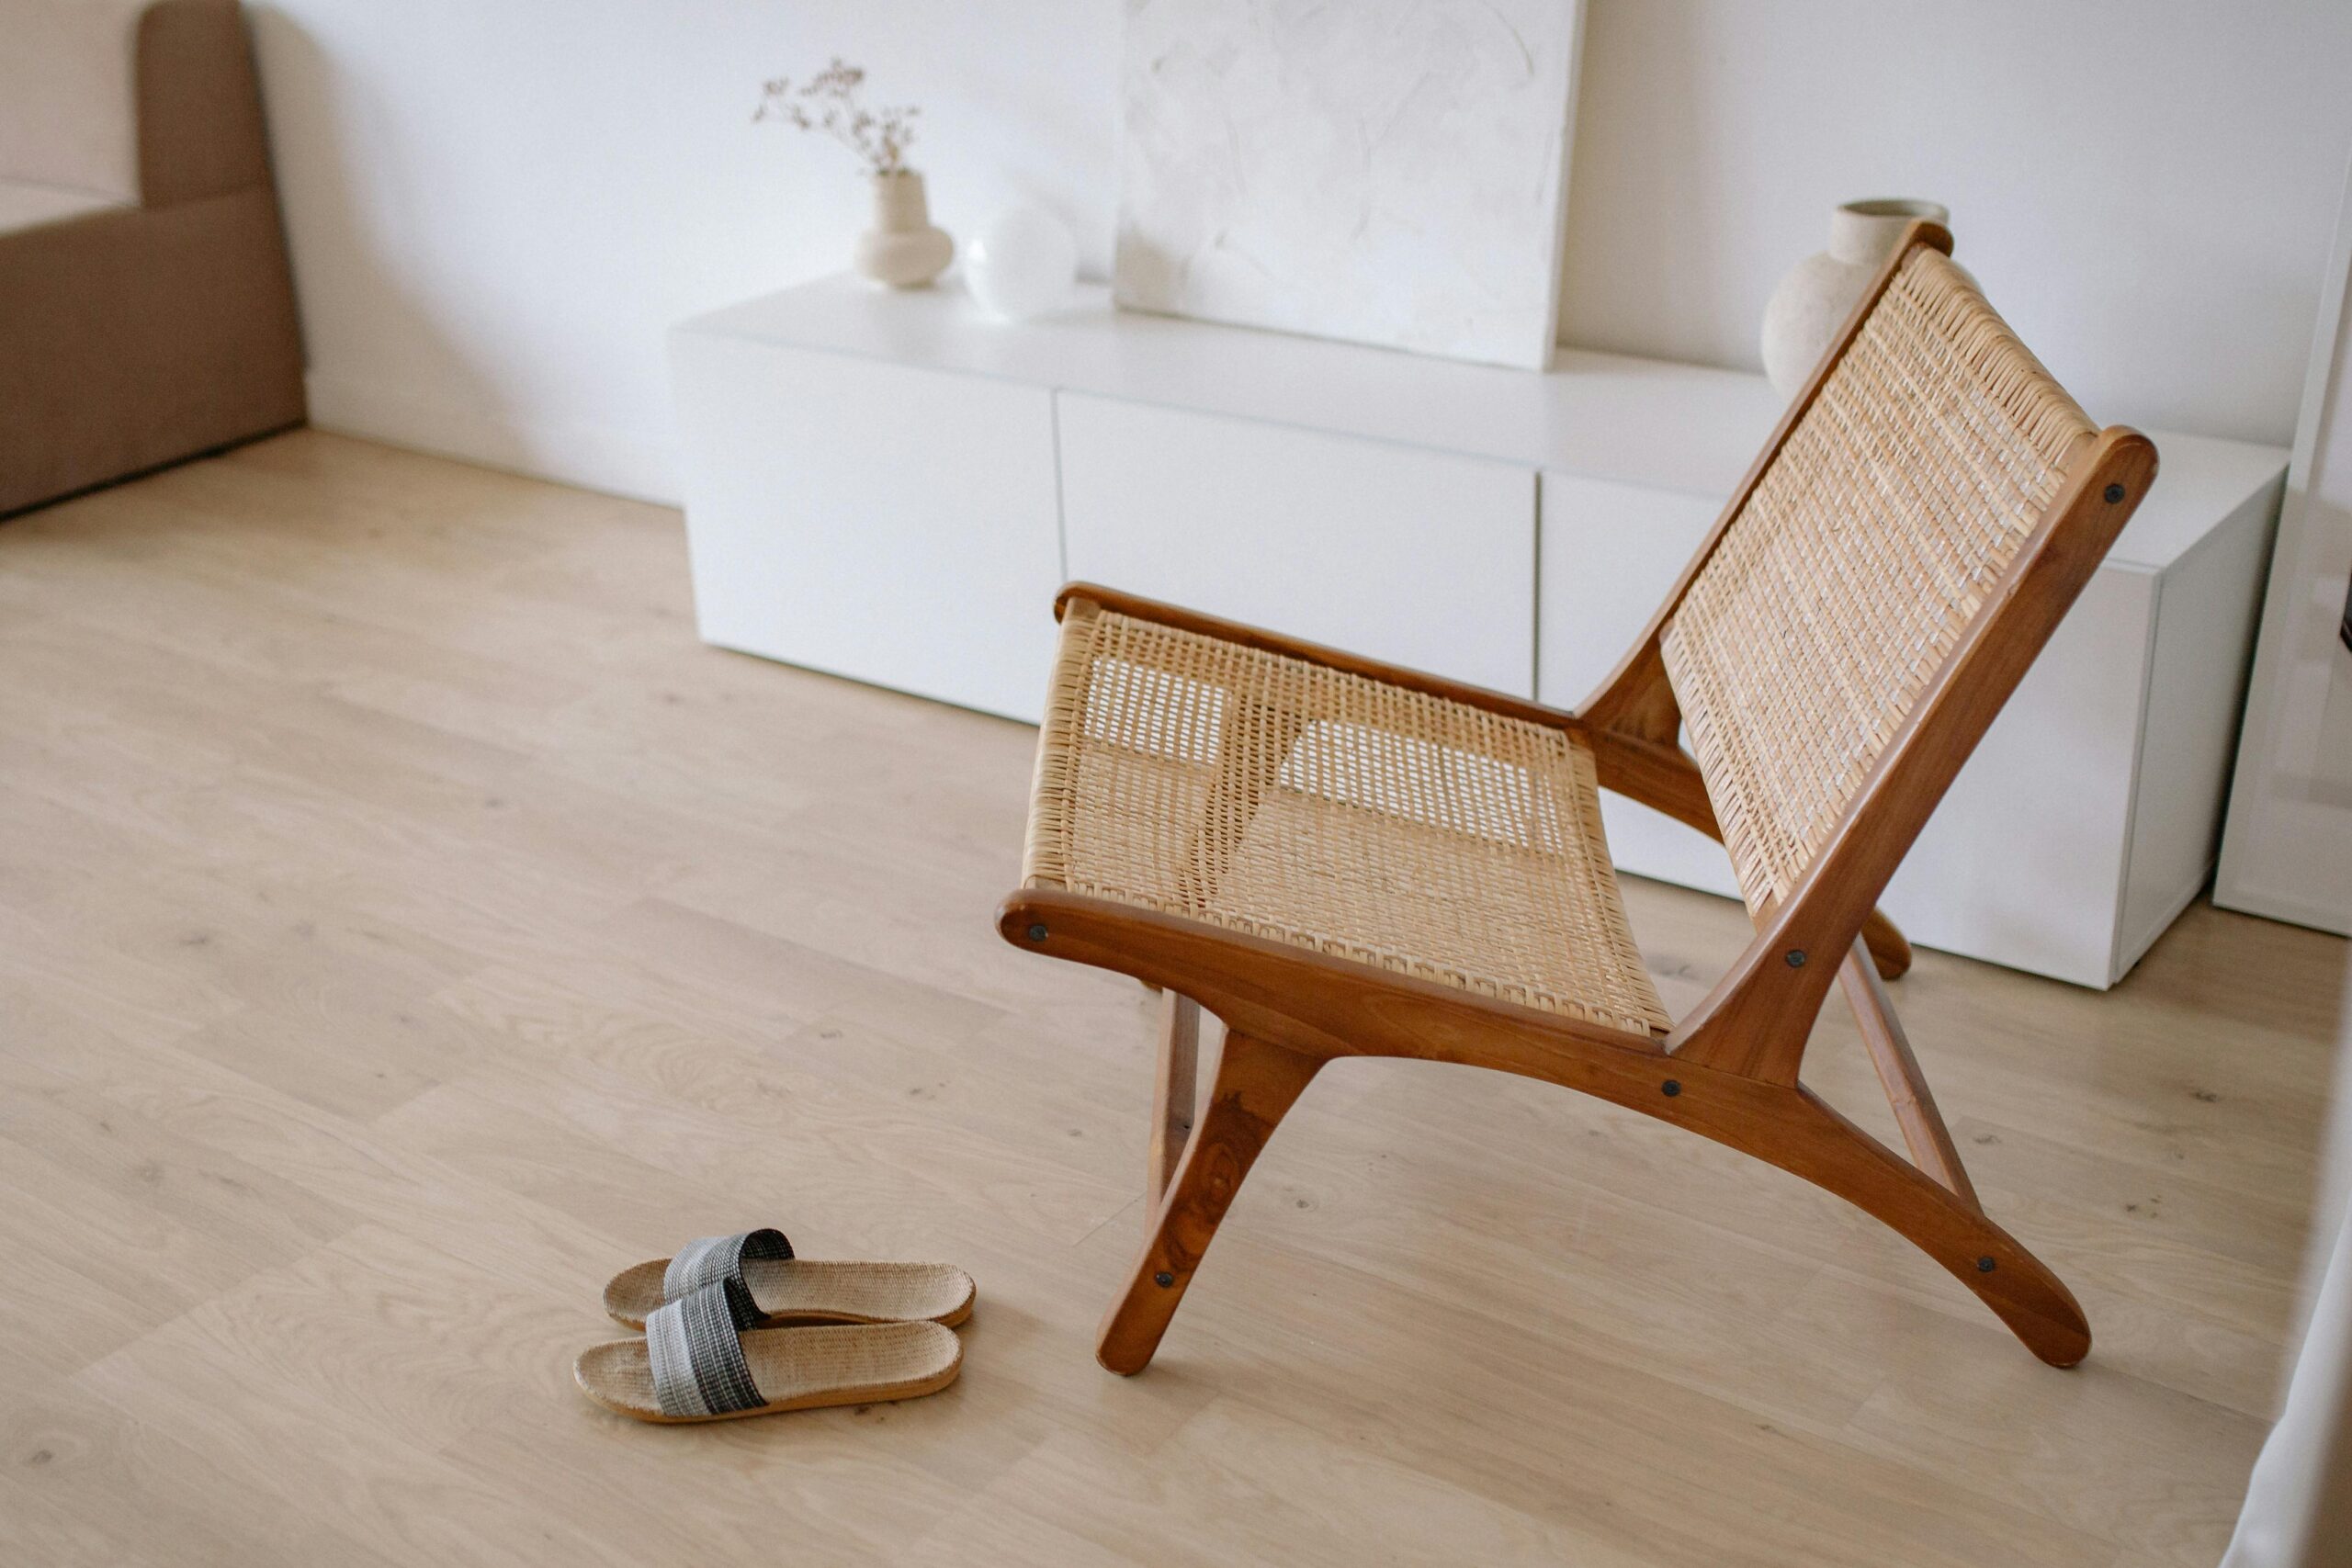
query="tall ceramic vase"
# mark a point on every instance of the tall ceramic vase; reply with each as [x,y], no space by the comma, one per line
[902,249]
[1812,301]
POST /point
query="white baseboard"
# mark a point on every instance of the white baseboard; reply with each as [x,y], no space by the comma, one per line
[609,458]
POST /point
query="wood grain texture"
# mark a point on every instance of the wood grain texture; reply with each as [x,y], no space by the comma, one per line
[404,922]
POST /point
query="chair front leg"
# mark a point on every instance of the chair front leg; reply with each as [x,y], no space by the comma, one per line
[1255,1086]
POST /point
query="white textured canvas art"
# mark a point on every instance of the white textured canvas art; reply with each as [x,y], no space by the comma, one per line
[1390,172]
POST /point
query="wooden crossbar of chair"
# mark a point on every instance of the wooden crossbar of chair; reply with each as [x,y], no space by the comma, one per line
[1337,857]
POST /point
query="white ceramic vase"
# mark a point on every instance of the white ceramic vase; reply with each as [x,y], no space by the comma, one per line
[902,249]
[1812,301]
[1022,265]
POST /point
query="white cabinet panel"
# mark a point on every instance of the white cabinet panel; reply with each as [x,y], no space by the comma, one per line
[1424,558]
[2207,616]
[2024,861]
[892,524]
[1611,551]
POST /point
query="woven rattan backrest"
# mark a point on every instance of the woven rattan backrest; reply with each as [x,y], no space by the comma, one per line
[1858,559]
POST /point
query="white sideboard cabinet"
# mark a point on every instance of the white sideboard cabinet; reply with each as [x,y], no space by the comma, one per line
[891,486]
[873,520]
[1424,558]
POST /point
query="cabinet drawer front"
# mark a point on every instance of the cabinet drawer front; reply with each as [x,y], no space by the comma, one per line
[1422,558]
[889,525]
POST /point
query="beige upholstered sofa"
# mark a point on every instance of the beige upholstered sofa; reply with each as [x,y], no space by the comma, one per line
[146,313]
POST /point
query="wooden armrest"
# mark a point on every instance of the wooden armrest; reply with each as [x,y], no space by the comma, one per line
[1142,609]
[1663,778]
[1331,1006]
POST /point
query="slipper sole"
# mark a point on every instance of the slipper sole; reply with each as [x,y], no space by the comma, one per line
[800,1368]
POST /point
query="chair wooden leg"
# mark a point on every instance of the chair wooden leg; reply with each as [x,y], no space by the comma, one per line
[1914,1103]
[1890,949]
[1791,1127]
[1175,1089]
[1256,1084]
[1807,1138]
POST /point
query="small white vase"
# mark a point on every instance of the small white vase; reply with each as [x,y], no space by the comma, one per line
[1022,265]
[1813,301]
[902,249]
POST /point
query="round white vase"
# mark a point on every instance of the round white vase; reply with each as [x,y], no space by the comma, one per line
[1813,301]
[902,249]
[1022,265]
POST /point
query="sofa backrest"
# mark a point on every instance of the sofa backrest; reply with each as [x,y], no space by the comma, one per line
[149,101]
[69,94]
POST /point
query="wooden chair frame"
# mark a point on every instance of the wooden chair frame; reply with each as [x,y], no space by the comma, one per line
[1729,1070]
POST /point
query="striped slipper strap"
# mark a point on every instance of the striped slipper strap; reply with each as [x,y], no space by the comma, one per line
[711,1258]
[695,1346]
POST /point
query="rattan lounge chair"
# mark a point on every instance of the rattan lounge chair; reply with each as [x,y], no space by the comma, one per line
[1341,858]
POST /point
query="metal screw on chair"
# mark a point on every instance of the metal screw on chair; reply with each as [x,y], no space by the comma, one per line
[1163,1279]
[1984,1265]
[1036,933]
[2114,494]
[1796,958]
[1670,1087]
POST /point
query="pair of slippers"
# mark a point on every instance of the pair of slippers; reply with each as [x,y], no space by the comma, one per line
[736,1326]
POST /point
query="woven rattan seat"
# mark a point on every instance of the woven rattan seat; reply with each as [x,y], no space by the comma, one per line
[1264,793]
[1341,859]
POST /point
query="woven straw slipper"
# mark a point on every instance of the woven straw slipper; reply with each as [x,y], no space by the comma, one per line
[785,1289]
[697,1362]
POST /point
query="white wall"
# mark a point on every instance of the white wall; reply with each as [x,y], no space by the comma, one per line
[2146,189]
[496,206]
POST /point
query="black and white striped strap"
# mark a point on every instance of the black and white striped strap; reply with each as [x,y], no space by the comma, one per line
[696,1350]
[714,1258]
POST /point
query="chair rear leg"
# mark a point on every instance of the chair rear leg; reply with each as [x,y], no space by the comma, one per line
[1907,1094]
[1175,1099]
[1890,949]
[1256,1085]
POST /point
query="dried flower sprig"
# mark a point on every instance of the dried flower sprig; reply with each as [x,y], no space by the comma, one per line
[828,102]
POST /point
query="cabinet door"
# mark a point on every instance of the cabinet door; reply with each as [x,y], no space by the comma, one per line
[1610,553]
[2023,863]
[891,524]
[1420,557]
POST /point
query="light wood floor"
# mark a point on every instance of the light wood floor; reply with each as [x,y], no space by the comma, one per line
[404,922]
